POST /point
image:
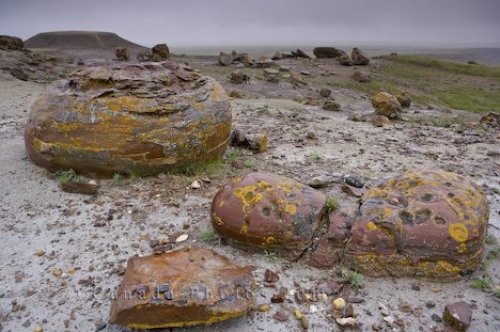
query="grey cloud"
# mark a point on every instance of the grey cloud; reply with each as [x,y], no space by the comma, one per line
[204,22]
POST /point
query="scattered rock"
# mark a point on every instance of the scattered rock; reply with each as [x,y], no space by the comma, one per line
[325,92]
[344,59]
[264,62]
[458,315]
[11,43]
[19,73]
[280,316]
[225,59]
[268,211]
[339,304]
[360,77]
[255,142]
[122,54]
[181,238]
[144,56]
[436,318]
[380,120]
[491,119]
[404,100]
[296,79]
[195,184]
[235,94]
[327,52]
[263,308]
[271,75]
[57,272]
[354,181]
[77,187]
[239,77]
[301,54]
[160,52]
[158,297]
[277,56]
[386,104]
[358,117]
[359,58]
[318,182]
[89,141]
[331,105]
[271,277]
[347,321]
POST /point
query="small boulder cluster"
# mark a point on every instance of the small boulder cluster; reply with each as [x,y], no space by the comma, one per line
[388,107]
[358,58]
[159,52]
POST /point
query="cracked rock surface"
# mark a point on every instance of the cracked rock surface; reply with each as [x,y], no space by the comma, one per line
[138,119]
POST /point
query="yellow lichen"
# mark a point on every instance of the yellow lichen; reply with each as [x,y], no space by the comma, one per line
[458,232]
[371,226]
[291,208]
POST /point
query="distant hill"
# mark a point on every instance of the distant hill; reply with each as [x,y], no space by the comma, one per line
[79,40]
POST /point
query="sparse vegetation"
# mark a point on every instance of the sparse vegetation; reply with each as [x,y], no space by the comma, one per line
[63,176]
[212,167]
[232,154]
[485,283]
[331,204]
[355,279]
[315,157]
[440,82]
[269,254]
[208,235]
[116,180]
[250,163]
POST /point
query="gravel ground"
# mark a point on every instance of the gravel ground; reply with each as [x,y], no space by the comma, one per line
[63,255]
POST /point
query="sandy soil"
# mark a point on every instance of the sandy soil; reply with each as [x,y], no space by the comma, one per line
[45,231]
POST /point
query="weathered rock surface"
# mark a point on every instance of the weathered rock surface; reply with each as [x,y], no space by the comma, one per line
[268,211]
[142,119]
[331,105]
[344,59]
[425,223]
[187,287]
[225,59]
[386,104]
[458,315]
[359,58]
[239,77]
[360,77]
[122,54]
[404,100]
[160,52]
[327,52]
[11,43]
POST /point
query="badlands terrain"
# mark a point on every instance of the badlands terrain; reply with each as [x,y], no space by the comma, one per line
[63,255]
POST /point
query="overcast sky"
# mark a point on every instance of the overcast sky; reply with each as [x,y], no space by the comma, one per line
[264,22]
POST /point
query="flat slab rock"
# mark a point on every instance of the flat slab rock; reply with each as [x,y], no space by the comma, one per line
[125,118]
[191,286]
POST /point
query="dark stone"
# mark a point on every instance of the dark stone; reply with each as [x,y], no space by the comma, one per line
[458,315]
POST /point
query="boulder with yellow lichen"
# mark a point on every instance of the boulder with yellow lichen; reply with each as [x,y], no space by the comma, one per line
[424,223]
[268,211]
[142,118]
[186,287]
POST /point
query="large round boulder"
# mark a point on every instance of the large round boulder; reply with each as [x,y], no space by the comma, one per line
[425,223]
[268,211]
[129,118]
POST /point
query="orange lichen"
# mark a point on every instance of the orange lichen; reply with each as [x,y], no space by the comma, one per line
[458,232]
